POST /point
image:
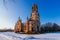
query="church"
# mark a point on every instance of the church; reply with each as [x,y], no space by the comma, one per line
[32,24]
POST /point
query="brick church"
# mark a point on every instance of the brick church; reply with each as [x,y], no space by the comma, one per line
[32,24]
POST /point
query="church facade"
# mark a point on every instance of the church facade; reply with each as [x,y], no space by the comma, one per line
[32,24]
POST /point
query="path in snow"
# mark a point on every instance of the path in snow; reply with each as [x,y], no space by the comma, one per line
[15,36]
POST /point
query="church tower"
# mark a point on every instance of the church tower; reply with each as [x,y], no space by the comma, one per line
[18,26]
[26,25]
[35,17]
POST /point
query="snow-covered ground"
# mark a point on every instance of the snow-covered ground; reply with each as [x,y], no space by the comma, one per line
[15,36]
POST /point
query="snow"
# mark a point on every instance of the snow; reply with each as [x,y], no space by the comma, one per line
[16,36]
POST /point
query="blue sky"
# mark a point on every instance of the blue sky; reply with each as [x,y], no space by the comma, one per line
[49,11]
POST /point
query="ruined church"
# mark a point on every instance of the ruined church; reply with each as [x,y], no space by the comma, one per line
[32,24]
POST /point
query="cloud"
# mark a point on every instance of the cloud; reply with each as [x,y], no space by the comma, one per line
[5,2]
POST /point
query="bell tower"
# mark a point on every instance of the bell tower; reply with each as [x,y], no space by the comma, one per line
[34,8]
[35,17]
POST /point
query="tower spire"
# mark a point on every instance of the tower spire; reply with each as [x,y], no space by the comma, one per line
[34,8]
[19,18]
[27,17]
